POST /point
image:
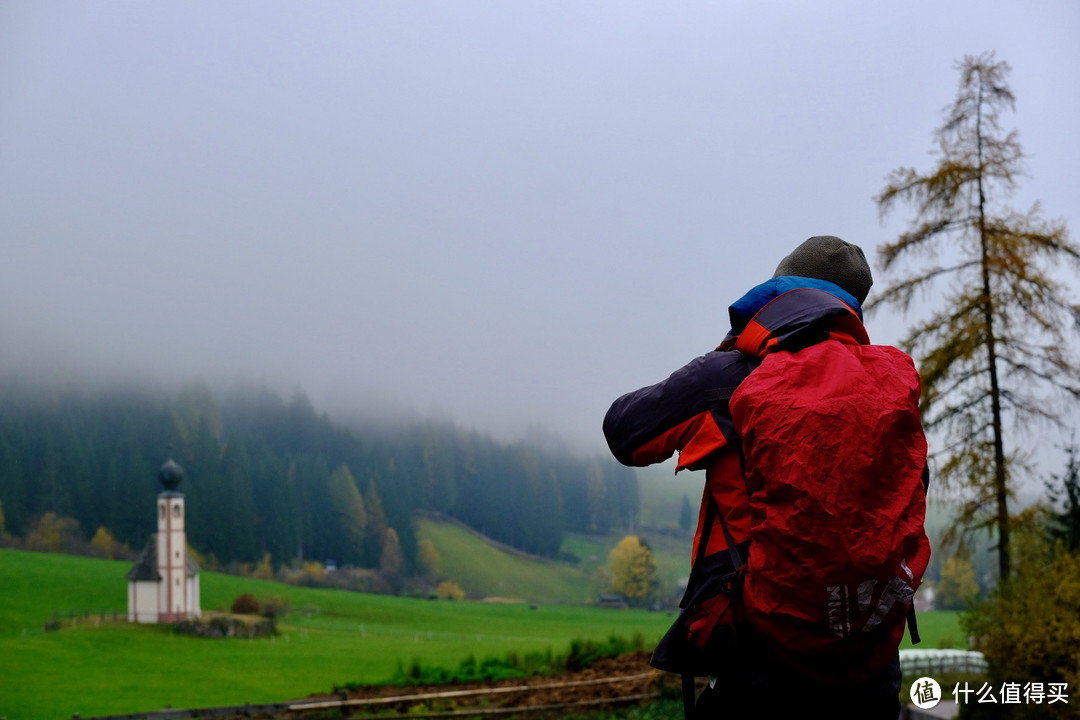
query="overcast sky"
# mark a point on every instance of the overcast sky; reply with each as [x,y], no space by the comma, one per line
[505,212]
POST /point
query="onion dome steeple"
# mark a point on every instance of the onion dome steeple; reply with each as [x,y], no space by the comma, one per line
[170,475]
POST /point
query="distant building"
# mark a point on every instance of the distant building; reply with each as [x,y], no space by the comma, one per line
[163,587]
[614,600]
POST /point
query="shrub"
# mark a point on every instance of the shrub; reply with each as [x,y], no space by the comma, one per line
[1029,631]
[274,607]
[245,605]
[582,654]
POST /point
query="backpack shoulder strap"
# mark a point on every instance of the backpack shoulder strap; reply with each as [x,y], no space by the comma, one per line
[712,512]
[913,625]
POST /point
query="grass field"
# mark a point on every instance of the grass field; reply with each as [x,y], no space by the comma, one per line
[97,667]
[939,630]
[483,570]
[331,637]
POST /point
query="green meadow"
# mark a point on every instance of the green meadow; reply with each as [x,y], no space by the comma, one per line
[484,570]
[96,666]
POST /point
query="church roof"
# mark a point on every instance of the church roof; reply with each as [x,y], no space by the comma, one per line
[146,564]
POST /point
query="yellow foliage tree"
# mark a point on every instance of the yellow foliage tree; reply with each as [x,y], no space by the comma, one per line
[449,590]
[391,559]
[106,544]
[957,587]
[428,557]
[311,573]
[264,569]
[1029,631]
[54,533]
[633,569]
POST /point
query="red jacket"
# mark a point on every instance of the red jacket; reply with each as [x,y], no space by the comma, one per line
[688,412]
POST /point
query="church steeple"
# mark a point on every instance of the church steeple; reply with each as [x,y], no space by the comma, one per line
[164,585]
[170,475]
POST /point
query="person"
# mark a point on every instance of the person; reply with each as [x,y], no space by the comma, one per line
[815,294]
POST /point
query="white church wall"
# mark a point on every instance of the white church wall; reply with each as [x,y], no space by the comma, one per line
[143,601]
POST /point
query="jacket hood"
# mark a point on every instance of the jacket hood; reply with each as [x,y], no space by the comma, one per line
[792,312]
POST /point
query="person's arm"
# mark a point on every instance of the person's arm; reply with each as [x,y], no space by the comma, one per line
[686,413]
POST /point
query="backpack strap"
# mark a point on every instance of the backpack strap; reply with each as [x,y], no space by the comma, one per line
[689,696]
[913,625]
[712,512]
[912,622]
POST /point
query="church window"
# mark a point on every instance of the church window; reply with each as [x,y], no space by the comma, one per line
[176,511]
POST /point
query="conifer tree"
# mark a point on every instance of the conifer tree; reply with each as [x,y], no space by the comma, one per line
[996,348]
[1064,525]
[686,514]
[348,505]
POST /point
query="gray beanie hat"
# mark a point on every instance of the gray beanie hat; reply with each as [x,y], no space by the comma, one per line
[825,257]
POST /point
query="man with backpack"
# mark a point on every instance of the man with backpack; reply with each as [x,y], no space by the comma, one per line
[815,474]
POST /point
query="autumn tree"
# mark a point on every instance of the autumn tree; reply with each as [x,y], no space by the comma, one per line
[428,557]
[56,534]
[449,590]
[1027,630]
[633,569]
[264,569]
[997,347]
[107,546]
[377,524]
[391,559]
[957,587]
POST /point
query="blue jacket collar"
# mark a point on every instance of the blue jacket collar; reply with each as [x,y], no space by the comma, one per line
[743,309]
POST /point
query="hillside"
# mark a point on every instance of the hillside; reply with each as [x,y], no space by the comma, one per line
[484,569]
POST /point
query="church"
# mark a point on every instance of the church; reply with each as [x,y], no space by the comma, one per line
[163,587]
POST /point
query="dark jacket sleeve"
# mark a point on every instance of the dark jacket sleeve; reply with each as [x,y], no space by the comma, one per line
[686,413]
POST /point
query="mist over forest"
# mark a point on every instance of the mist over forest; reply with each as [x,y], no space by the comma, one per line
[272,474]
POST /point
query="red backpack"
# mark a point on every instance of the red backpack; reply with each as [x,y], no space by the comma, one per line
[835,464]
